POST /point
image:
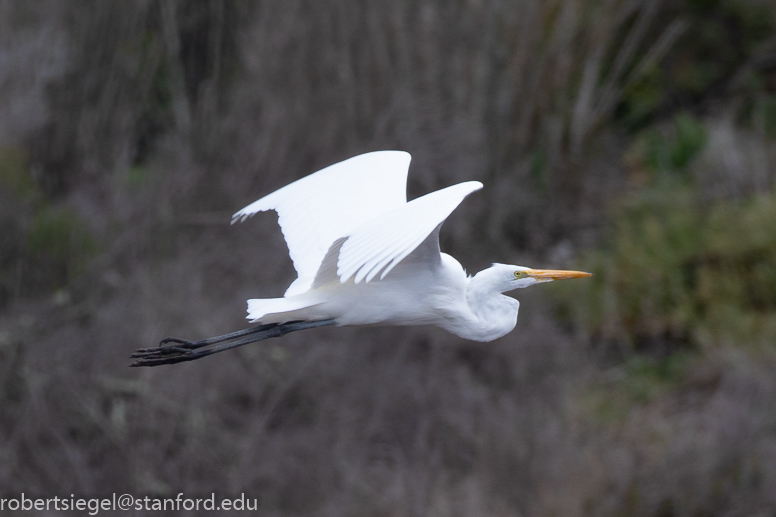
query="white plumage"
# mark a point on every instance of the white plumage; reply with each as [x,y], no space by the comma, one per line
[366,256]
[318,209]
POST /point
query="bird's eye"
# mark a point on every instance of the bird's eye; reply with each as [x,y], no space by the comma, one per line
[519,274]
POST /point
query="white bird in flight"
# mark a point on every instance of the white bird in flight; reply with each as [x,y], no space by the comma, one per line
[364,255]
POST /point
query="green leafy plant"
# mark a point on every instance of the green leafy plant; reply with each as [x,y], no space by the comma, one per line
[15,172]
[59,244]
[637,381]
[670,148]
[685,273]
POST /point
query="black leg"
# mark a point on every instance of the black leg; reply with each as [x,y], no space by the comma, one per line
[191,350]
[213,340]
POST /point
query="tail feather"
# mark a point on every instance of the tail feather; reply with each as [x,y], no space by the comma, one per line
[273,310]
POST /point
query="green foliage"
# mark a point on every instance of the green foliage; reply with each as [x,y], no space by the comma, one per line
[539,166]
[137,175]
[42,247]
[690,138]
[15,172]
[684,273]
[765,108]
[18,192]
[59,244]
[642,98]
[638,380]
[719,36]
[648,377]
[671,148]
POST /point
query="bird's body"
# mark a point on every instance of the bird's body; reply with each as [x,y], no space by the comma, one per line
[382,264]
[364,255]
[396,300]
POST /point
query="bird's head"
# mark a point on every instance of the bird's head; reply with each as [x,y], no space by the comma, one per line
[515,277]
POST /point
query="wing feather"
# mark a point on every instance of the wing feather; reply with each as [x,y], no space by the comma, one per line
[377,246]
[315,211]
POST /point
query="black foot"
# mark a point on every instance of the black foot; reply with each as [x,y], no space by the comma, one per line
[184,350]
[184,343]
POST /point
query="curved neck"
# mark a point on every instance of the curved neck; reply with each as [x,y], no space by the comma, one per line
[496,314]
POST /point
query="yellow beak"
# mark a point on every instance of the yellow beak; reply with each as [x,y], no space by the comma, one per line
[556,274]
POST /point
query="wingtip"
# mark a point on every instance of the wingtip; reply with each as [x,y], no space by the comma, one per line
[239,217]
[396,155]
[405,153]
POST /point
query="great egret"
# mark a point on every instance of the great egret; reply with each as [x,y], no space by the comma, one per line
[366,256]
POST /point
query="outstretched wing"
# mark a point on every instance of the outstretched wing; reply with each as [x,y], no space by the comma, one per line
[377,246]
[318,209]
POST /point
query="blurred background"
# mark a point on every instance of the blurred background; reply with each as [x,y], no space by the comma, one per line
[632,138]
